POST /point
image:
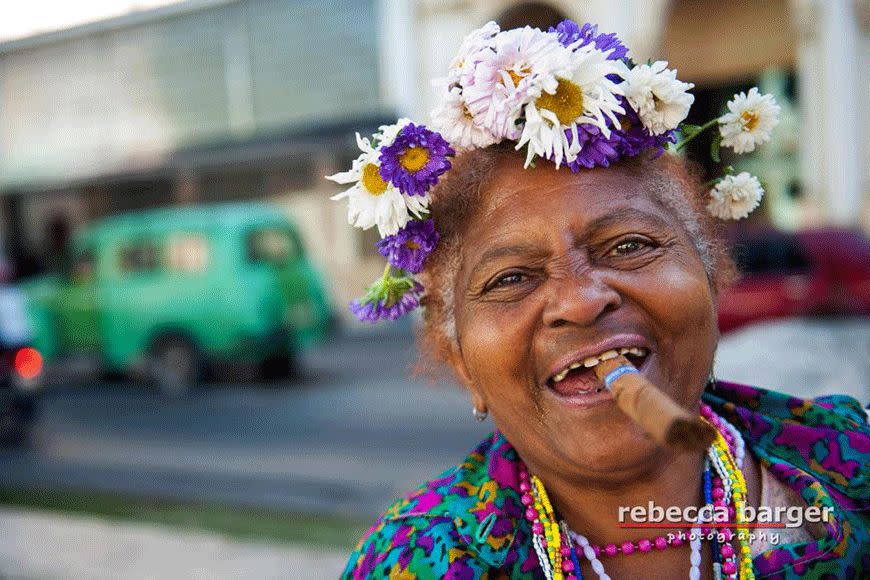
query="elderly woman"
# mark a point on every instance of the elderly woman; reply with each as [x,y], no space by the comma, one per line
[532,275]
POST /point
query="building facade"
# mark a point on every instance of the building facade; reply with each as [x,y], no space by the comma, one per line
[217,100]
[197,102]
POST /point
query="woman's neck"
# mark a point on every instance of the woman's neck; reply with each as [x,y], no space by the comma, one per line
[591,506]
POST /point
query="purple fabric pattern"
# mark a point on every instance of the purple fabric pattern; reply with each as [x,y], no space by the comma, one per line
[435,532]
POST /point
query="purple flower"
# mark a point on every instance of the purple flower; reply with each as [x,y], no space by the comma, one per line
[569,33]
[387,299]
[628,140]
[415,160]
[596,149]
[634,138]
[410,247]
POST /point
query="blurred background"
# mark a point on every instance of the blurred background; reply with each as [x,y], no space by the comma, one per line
[182,392]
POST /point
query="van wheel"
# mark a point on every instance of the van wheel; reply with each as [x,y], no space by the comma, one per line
[175,366]
[279,367]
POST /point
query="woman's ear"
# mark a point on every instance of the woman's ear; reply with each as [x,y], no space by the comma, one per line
[458,364]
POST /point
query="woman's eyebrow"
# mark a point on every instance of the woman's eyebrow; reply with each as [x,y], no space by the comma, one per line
[512,250]
[623,215]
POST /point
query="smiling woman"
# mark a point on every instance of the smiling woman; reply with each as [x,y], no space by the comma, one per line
[548,291]
[557,267]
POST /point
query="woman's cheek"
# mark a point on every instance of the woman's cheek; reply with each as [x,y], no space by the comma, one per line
[684,320]
[494,343]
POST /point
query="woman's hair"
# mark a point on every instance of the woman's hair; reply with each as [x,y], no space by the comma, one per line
[458,195]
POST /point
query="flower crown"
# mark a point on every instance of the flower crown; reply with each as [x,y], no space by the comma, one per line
[570,95]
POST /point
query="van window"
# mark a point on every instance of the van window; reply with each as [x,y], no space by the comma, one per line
[187,253]
[141,257]
[272,246]
[84,266]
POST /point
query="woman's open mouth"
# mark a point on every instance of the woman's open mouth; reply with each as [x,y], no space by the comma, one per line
[578,378]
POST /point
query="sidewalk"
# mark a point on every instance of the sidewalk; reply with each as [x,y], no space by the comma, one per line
[802,357]
[45,545]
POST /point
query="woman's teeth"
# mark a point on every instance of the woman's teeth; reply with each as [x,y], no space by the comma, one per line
[594,360]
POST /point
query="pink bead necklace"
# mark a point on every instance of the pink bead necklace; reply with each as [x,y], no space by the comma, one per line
[558,547]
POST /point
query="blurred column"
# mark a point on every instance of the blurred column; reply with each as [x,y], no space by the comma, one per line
[399,56]
[639,23]
[237,73]
[827,71]
[4,256]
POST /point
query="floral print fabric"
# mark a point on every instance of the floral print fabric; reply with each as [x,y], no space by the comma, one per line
[468,523]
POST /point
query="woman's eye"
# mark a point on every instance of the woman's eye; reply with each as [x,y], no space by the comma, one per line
[628,247]
[506,280]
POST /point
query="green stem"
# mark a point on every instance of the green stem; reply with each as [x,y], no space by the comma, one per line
[703,128]
[708,184]
[387,269]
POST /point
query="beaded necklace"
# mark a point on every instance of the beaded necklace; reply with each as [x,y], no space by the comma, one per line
[556,545]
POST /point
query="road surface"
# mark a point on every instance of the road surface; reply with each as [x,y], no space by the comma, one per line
[349,436]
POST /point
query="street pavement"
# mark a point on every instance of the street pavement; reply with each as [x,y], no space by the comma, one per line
[352,433]
[44,545]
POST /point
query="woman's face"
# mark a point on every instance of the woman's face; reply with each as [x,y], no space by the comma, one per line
[558,267]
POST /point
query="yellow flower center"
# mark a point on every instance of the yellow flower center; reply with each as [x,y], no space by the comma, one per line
[372,180]
[750,120]
[518,75]
[412,245]
[566,103]
[414,158]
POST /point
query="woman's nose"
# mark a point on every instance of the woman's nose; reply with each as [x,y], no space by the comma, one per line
[579,299]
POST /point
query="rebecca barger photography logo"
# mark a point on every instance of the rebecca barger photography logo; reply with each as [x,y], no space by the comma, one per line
[715,521]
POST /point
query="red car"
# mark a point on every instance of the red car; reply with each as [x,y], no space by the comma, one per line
[814,272]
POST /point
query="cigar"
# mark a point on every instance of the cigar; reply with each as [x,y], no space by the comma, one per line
[663,420]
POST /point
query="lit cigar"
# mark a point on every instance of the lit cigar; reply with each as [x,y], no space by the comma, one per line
[664,420]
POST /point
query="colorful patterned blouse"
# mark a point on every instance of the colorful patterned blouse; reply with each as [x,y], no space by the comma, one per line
[468,523]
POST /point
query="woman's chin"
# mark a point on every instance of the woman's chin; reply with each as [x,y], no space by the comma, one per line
[609,444]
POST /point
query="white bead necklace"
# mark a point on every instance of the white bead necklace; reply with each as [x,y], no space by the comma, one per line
[598,567]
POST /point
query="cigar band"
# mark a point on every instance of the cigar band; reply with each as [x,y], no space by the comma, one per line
[616,373]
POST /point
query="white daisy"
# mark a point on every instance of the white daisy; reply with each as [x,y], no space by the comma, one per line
[508,76]
[454,122]
[659,98]
[735,196]
[371,201]
[387,133]
[476,41]
[751,119]
[582,94]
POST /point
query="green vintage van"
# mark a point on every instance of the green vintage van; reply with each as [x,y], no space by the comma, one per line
[168,292]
